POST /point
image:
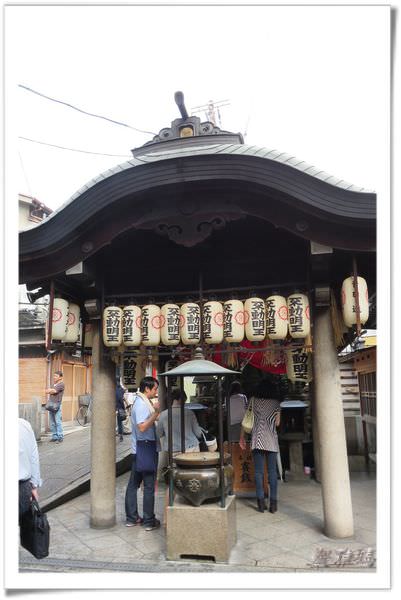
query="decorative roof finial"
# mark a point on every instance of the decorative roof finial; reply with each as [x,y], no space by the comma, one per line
[179,100]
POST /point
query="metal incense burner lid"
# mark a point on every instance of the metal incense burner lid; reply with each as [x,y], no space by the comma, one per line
[199,459]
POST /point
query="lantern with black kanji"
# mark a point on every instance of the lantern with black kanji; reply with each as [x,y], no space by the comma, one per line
[150,325]
[298,364]
[298,315]
[59,318]
[276,317]
[112,326]
[73,323]
[255,319]
[190,324]
[170,324]
[349,304]
[234,321]
[213,322]
[132,325]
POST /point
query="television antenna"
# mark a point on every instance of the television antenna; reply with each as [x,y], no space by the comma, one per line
[211,110]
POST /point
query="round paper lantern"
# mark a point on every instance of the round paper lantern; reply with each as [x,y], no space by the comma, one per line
[298,315]
[255,319]
[190,324]
[151,325]
[72,333]
[132,325]
[213,320]
[298,364]
[59,318]
[112,326]
[349,304]
[276,317]
[170,324]
[234,321]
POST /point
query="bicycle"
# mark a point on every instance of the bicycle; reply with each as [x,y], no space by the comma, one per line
[84,413]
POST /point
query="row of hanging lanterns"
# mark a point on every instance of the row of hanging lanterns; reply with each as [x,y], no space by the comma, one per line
[231,321]
[65,321]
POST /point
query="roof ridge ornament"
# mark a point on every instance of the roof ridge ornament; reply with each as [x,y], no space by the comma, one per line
[187,131]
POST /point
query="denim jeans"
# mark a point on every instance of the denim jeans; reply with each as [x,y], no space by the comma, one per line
[131,495]
[259,457]
[56,426]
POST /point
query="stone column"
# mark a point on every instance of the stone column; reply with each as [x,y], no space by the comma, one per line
[334,472]
[103,441]
[315,432]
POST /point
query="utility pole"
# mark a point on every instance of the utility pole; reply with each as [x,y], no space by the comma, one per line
[211,110]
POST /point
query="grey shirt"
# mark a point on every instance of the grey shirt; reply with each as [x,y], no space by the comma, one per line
[192,430]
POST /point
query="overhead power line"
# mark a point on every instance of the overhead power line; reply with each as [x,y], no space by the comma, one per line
[28,89]
[73,149]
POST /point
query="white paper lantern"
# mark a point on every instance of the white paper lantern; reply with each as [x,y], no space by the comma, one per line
[59,318]
[349,304]
[298,315]
[276,317]
[150,325]
[73,323]
[298,364]
[213,320]
[234,321]
[190,324]
[170,324]
[132,320]
[112,326]
[255,319]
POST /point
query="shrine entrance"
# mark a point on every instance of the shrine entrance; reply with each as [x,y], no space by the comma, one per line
[201,219]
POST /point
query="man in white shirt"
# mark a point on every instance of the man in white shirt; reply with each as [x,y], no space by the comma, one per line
[29,469]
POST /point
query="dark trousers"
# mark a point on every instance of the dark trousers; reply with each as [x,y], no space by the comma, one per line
[131,495]
[259,457]
[25,494]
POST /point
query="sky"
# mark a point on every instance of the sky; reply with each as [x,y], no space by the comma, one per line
[311,81]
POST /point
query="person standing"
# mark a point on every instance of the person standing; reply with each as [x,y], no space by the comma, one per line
[264,440]
[143,416]
[55,418]
[192,429]
[237,408]
[29,469]
[120,409]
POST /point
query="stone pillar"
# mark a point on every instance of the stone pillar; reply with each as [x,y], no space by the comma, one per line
[103,440]
[334,472]
[315,432]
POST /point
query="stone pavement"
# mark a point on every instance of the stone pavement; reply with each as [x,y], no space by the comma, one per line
[65,468]
[287,541]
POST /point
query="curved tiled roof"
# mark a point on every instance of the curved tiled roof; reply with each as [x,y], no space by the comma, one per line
[233,149]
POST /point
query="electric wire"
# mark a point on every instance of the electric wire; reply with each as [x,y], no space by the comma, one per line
[73,149]
[28,89]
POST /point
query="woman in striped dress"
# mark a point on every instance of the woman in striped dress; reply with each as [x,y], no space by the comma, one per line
[264,440]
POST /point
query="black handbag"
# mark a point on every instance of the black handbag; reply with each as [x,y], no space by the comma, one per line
[122,413]
[52,406]
[35,531]
[146,456]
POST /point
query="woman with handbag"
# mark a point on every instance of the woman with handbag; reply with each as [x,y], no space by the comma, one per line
[265,407]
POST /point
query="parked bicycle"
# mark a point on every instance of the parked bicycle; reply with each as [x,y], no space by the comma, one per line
[85,409]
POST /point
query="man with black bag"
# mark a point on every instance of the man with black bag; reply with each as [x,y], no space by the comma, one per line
[34,528]
[54,407]
[144,456]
